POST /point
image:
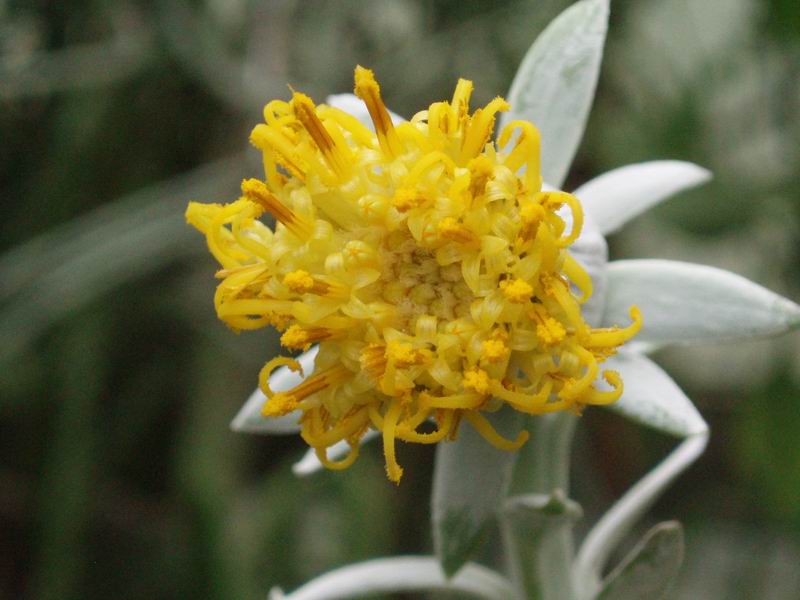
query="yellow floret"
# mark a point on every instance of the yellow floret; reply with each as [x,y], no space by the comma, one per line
[550,331]
[493,351]
[299,281]
[517,290]
[476,380]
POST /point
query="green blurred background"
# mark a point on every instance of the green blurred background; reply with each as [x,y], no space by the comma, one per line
[119,476]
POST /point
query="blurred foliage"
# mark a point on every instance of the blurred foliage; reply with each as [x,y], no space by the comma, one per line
[119,475]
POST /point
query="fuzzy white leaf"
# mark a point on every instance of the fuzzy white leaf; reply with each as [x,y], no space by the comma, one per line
[353,105]
[402,574]
[250,420]
[620,518]
[310,464]
[652,398]
[650,568]
[463,504]
[618,196]
[591,251]
[684,303]
[554,86]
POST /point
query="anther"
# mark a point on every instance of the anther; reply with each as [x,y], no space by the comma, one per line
[305,112]
[258,192]
[369,91]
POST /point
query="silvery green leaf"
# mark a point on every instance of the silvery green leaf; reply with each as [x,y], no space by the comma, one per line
[310,464]
[591,251]
[353,105]
[684,303]
[652,398]
[621,517]
[538,533]
[554,86]
[618,196]
[470,481]
[401,574]
[249,418]
[650,568]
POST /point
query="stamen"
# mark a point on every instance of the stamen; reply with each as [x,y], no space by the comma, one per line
[373,360]
[406,198]
[404,355]
[481,171]
[369,91]
[493,351]
[312,385]
[338,158]
[297,338]
[516,291]
[258,192]
[549,330]
[301,282]
[450,229]
[476,380]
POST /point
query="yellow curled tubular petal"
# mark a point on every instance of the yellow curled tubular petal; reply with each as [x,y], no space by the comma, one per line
[526,151]
[527,403]
[578,275]
[267,369]
[490,434]
[442,431]
[339,465]
[598,397]
[614,336]
[577,219]
[393,470]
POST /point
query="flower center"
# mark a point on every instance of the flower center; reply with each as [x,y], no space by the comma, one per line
[426,261]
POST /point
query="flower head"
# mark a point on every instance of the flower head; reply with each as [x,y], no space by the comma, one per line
[426,261]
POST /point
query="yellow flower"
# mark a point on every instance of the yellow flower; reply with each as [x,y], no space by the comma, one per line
[426,261]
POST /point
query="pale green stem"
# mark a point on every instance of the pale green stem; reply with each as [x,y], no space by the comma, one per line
[537,525]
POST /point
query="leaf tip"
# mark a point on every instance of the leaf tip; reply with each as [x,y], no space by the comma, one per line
[460,537]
